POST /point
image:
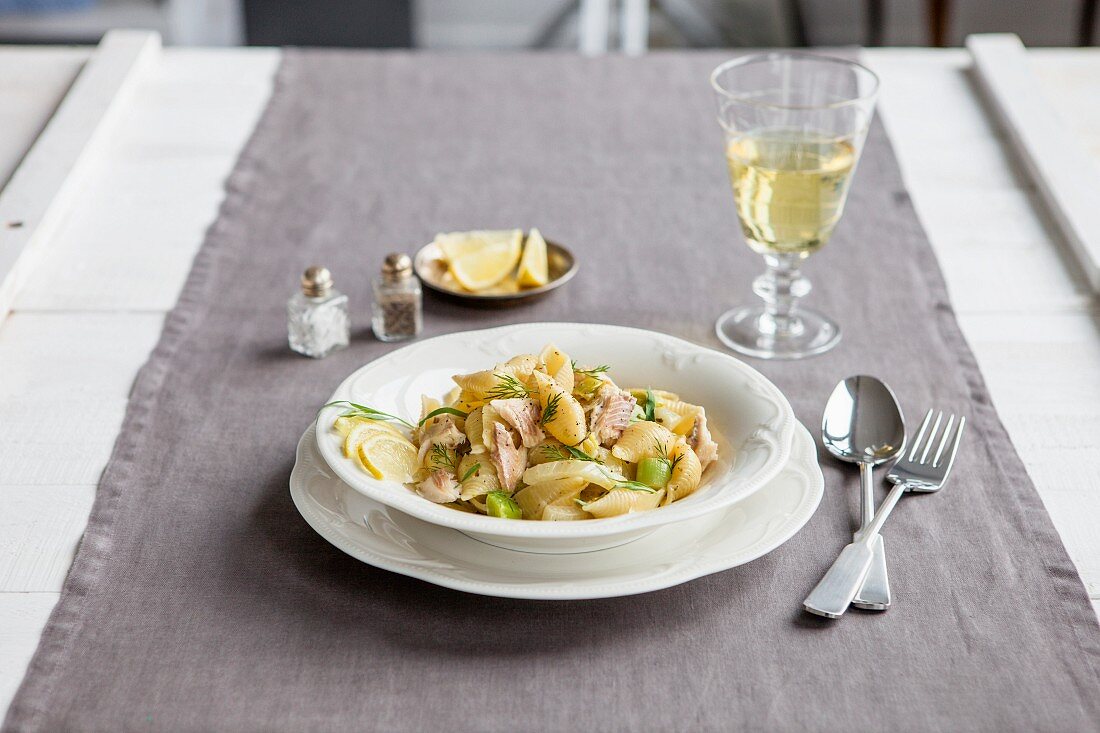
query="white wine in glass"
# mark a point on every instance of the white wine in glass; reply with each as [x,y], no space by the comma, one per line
[790,187]
[794,127]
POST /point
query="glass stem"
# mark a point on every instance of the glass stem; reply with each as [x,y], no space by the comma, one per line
[781,285]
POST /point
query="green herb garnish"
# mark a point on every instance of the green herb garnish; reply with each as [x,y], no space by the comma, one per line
[567,452]
[368,413]
[509,387]
[442,458]
[650,405]
[663,457]
[551,409]
[470,472]
[442,411]
[591,372]
[635,486]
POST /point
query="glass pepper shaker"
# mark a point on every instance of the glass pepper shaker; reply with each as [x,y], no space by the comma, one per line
[317,317]
[397,300]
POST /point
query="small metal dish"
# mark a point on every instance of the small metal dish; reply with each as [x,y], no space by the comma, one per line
[432,270]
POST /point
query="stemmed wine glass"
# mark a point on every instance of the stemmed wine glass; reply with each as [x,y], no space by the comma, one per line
[794,127]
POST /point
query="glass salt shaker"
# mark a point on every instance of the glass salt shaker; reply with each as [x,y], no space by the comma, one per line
[317,317]
[397,300]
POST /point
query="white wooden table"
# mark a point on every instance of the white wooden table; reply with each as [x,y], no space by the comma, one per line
[93,307]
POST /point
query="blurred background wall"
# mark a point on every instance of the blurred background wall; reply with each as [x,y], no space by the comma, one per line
[504,24]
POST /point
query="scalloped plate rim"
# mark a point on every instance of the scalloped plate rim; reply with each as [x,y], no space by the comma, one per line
[774,537]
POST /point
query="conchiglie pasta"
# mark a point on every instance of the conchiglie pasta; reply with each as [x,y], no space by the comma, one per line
[484,385]
[686,473]
[474,432]
[642,439]
[479,485]
[567,422]
[562,440]
[590,471]
[558,365]
[536,497]
[555,513]
[544,452]
[624,501]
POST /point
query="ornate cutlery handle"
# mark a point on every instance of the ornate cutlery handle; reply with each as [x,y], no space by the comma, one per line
[835,592]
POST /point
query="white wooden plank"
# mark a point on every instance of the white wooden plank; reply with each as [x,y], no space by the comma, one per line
[40,529]
[22,618]
[1069,78]
[41,189]
[57,442]
[74,356]
[33,81]
[1051,153]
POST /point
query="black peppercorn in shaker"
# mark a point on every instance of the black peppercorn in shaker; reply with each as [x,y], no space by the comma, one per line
[397,300]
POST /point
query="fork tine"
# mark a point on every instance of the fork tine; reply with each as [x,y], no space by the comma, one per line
[943,441]
[950,458]
[920,436]
[931,438]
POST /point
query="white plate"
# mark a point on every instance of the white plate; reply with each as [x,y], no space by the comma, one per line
[750,418]
[676,553]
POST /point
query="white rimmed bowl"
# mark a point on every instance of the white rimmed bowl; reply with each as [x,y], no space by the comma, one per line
[751,420]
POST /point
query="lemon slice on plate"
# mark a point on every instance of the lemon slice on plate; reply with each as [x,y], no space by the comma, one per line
[486,266]
[356,430]
[388,456]
[534,270]
[456,244]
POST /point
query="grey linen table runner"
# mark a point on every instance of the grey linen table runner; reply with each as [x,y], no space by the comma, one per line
[200,600]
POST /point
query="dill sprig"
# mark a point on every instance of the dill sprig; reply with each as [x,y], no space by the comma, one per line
[635,486]
[663,456]
[368,413]
[567,452]
[442,458]
[591,372]
[470,472]
[551,410]
[508,388]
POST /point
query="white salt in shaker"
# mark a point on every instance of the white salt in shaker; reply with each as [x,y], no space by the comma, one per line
[317,317]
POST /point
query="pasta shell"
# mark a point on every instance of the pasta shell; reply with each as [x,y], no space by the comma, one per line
[642,439]
[466,463]
[558,365]
[624,501]
[567,423]
[686,474]
[590,471]
[533,499]
[487,384]
[479,485]
[474,430]
[521,366]
[544,452]
[572,513]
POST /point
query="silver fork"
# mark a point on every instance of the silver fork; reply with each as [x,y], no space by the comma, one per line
[924,468]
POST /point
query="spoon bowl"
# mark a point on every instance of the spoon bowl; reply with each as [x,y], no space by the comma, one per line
[863,422]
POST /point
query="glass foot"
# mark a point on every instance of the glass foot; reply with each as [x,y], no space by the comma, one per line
[753,331]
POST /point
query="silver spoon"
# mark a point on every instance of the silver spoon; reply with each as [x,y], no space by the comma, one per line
[863,424]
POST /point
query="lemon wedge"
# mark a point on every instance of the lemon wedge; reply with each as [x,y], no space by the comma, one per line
[533,267]
[489,264]
[356,430]
[388,456]
[456,244]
